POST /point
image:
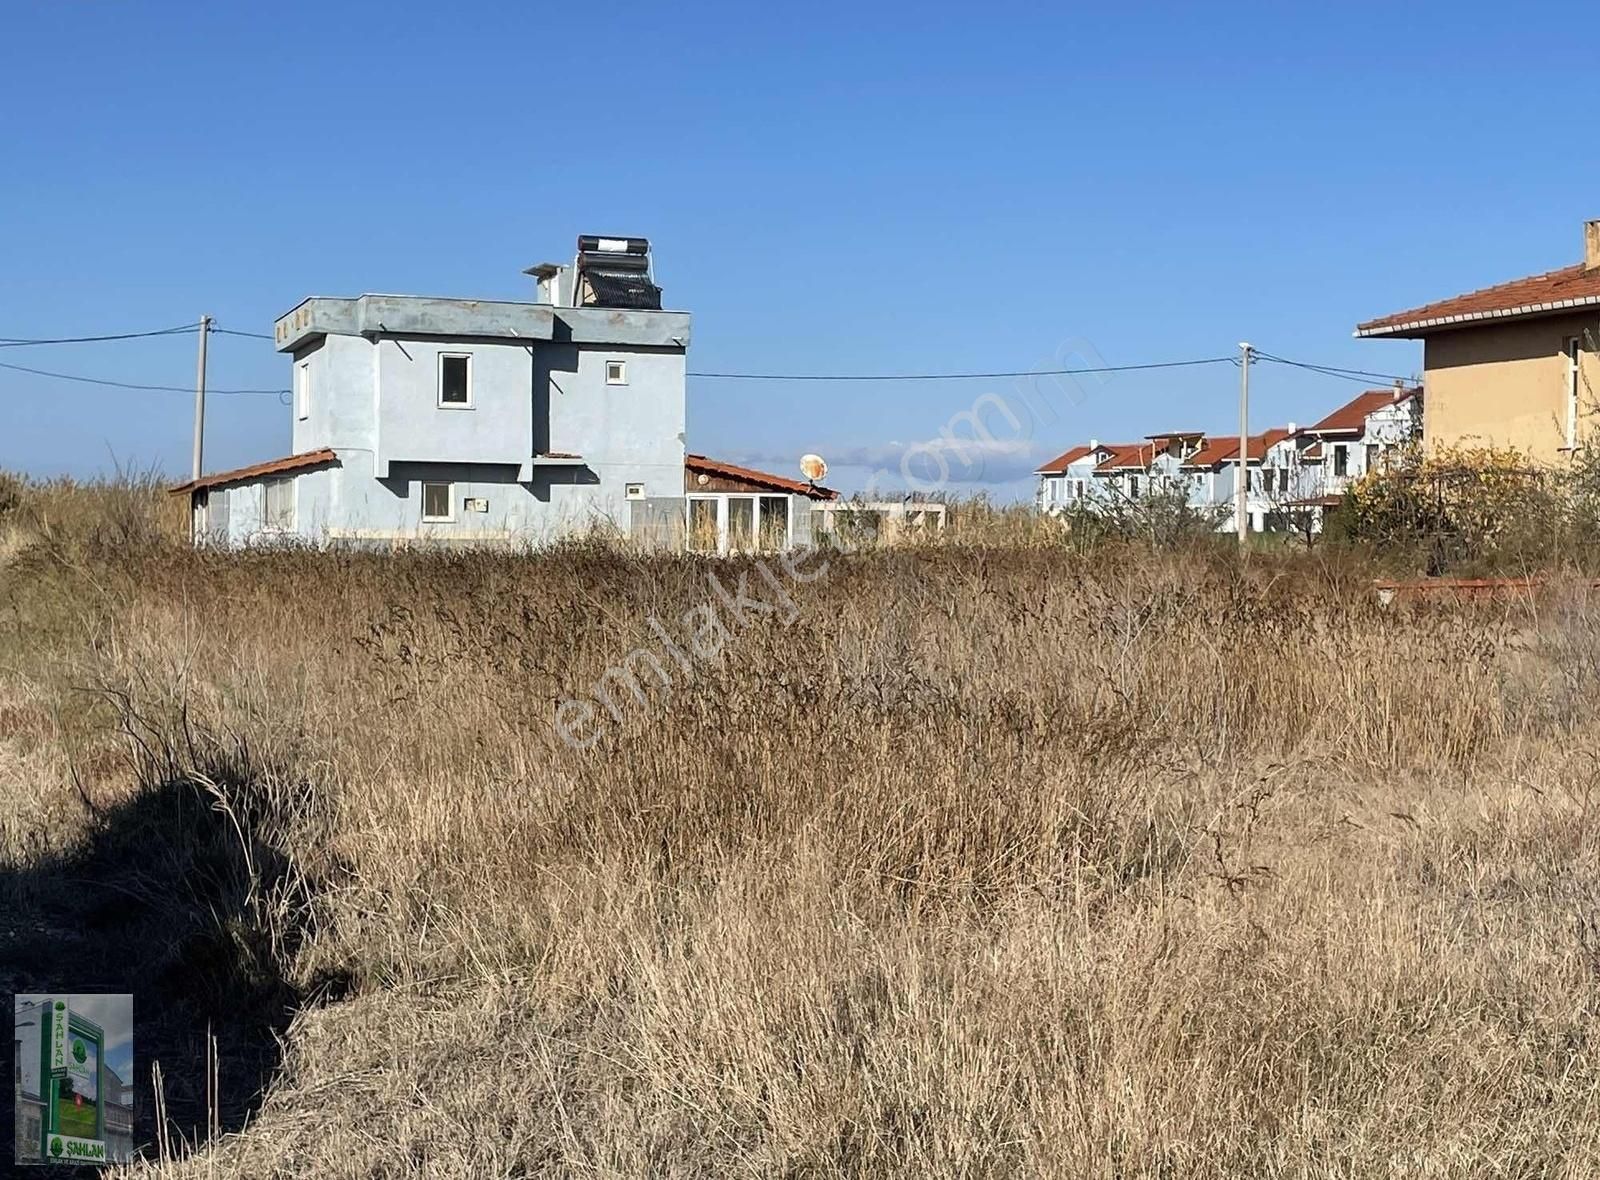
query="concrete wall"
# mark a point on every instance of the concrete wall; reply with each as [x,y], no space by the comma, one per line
[342,401]
[1506,385]
[632,432]
[412,427]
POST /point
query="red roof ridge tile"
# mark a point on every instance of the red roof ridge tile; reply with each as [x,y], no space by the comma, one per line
[700,463]
[288,463]
[1537,294]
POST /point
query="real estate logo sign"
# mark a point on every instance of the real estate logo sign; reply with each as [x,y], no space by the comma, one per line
[59,1017]
[69,1149]
[72,1091]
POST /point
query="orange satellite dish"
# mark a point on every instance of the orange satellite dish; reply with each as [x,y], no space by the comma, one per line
[813,467]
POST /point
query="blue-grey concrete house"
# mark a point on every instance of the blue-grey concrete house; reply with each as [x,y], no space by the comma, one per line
[467,420]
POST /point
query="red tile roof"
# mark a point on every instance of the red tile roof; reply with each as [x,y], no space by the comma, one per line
[1214,451]
[700,465]
[256,471]
[1553,291]
[1060,463]
[1127,457]
[1225,449]
[1351,417]
[1261,443]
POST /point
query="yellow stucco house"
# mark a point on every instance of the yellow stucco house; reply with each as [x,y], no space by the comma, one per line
[1513,365]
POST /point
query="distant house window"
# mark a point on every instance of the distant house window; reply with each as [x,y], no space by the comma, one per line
[455,380]
[302,390]
[438,502]
[278,504]
[1133,487]
[1341,460]
[635,491]
[1574,372]
[1372,456]
[616,372]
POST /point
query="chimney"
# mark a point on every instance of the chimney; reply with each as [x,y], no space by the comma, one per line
[1094,444]
[1291,429]
[1591,245]
[1400,386]
[552,285]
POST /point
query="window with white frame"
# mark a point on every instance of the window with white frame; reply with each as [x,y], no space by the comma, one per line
[455,380]
[704,526]
[277,509]
[1341,459]
[302,390]
[438,502]
[1133,487]
[616,372]
[1574,373]
[772,529]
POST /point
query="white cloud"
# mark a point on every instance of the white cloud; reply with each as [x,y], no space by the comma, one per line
[936,461]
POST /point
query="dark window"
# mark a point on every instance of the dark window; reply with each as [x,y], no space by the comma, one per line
[437,501]
[455,381]
[1341,462]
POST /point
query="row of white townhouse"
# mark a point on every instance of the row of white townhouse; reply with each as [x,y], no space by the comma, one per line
[1291,473]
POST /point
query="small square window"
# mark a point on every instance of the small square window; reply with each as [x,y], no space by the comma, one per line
[438,502]
[635,491]
[616,372]
[455,380]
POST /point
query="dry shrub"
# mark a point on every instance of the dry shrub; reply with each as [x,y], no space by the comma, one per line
[995,859]
[1475,510]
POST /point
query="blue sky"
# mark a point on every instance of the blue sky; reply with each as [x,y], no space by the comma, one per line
[901,188]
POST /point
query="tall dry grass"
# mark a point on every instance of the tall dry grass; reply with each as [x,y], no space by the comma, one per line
[997,860]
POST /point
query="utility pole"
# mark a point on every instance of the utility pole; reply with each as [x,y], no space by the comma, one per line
[1241,491]
[200,397]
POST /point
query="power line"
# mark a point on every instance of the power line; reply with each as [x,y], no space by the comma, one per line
[1333,370]
[1210,360]
[130,385]
[181,329]
[236,332]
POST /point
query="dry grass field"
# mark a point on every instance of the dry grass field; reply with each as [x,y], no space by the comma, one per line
[980,859]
